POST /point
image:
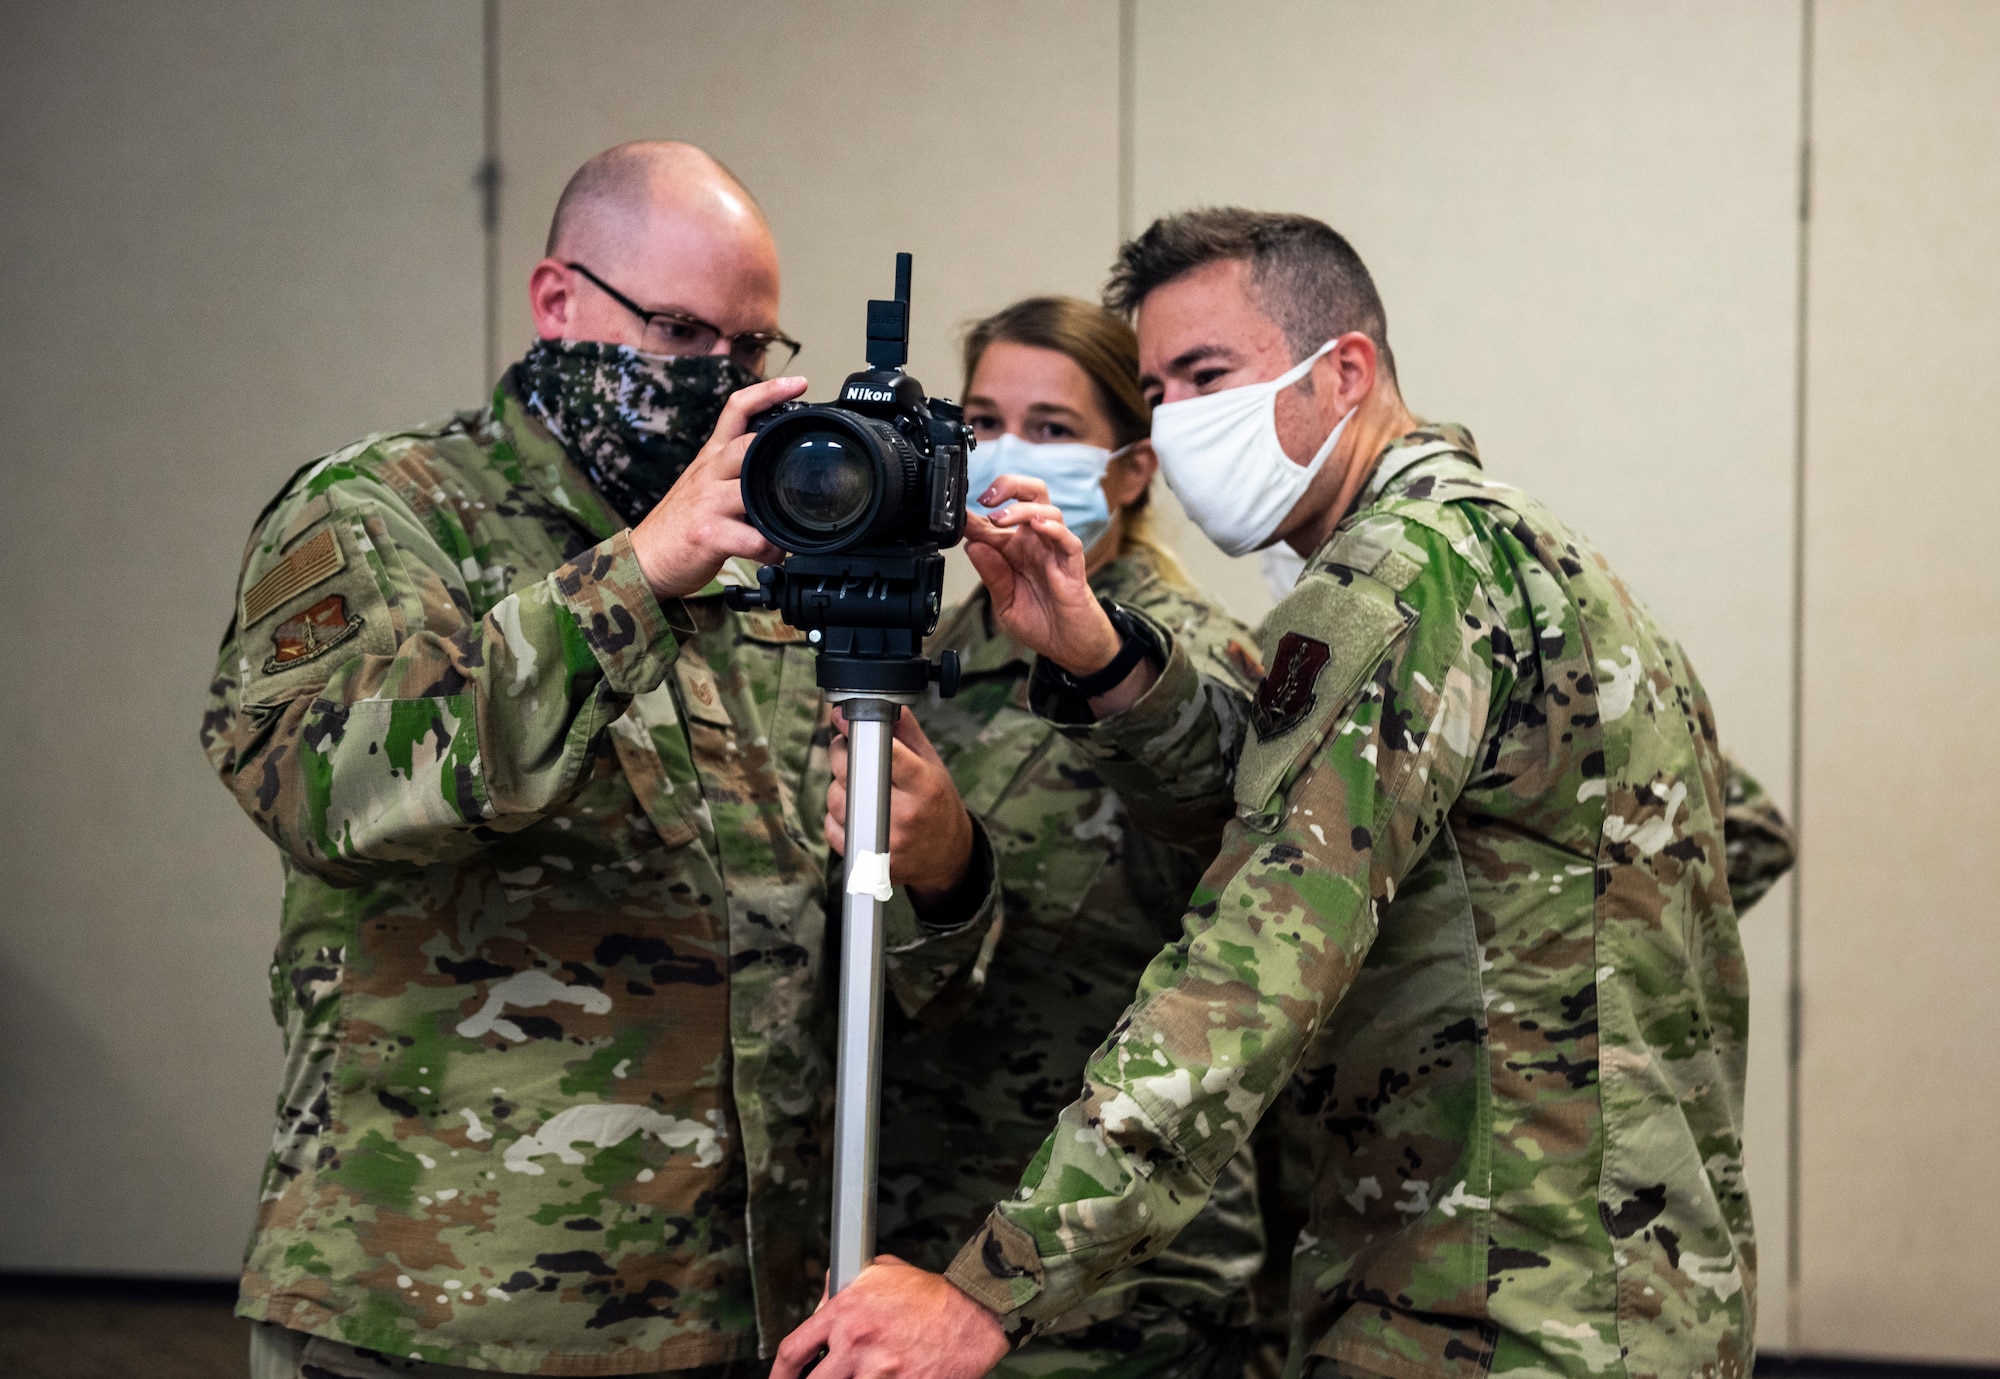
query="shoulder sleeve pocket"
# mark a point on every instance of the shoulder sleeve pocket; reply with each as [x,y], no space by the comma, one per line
[1320,646]
[308,610]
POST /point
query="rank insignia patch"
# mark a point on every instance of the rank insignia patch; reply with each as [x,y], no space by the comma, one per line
[1287,695]
[317,630]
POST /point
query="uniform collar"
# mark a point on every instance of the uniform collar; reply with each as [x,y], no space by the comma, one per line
[1403,454]
[530,454]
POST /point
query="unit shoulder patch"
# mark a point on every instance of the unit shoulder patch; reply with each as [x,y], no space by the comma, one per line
[1322,643]
[1287,694]
[312,633]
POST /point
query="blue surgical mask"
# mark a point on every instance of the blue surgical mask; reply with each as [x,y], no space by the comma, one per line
[1073,472]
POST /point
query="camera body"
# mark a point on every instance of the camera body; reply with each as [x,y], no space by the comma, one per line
[863,494]
[881,467]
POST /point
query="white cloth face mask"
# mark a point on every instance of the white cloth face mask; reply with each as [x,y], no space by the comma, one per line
[1073,472]
[1222,458]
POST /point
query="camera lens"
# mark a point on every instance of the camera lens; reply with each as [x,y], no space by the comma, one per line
[822,482]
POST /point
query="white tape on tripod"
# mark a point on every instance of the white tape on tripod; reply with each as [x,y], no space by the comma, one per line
[870,876]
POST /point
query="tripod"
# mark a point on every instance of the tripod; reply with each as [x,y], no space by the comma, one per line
[864,615]
[871,737]
[871,723]
[863,493]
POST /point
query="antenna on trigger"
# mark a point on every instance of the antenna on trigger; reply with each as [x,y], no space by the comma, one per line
[889,323]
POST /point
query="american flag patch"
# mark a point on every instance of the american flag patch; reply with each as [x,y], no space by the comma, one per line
[300,569]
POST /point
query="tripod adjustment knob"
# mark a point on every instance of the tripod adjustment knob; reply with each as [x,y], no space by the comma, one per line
[944,670]
[763,598]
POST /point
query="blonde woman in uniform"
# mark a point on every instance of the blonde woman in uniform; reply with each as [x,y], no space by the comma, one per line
[1052,393]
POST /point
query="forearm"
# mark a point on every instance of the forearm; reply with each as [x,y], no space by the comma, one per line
[411,757]
[938,952]
[1172,754]
[1172,1096]
[1335,814]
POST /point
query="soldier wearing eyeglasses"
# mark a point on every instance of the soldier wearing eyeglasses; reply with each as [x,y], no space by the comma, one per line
[551,968]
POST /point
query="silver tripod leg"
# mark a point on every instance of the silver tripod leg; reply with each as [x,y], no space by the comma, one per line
[857,1085]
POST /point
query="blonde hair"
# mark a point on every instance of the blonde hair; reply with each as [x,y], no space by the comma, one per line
[1107,351]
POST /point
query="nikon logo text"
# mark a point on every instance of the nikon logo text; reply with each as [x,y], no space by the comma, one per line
[868,395]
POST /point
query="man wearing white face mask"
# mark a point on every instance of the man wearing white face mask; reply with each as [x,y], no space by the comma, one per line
[1471,921]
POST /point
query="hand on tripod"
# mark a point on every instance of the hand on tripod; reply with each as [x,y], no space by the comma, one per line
[895,1319]
[930,834]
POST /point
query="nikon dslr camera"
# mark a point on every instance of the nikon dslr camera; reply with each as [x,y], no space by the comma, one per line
[863,494]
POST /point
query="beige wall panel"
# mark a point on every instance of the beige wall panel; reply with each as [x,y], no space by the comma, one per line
[233,236]
[1582,220]
[1902,763]
[981,137]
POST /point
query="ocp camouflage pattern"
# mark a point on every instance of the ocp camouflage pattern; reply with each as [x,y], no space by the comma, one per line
[1756,837]
[1473,923]
[552,961]
[1088,900]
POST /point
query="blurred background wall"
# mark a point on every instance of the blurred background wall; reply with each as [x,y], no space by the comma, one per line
[1719,282]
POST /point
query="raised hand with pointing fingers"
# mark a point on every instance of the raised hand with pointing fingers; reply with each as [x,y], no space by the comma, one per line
[1033,568]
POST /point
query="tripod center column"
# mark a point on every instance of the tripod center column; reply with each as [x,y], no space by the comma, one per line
[870,737]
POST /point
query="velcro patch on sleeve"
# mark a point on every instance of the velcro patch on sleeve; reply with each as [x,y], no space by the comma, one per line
[312,632]
[316,607]
[1321,644]
[299,569]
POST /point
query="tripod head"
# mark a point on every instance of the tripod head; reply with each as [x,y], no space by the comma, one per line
[863,494]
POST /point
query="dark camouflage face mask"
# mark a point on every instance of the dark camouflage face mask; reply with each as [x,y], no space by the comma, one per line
[633,421]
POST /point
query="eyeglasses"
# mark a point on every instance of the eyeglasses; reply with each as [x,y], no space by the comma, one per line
[676,332]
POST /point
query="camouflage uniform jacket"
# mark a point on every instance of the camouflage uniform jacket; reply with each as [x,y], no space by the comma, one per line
[1474,913]
[551,966]
[1756,837]
[1088,901]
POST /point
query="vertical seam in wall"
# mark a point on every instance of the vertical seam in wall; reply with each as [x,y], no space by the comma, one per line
[489,184]
[1128,100]
[1794,926]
